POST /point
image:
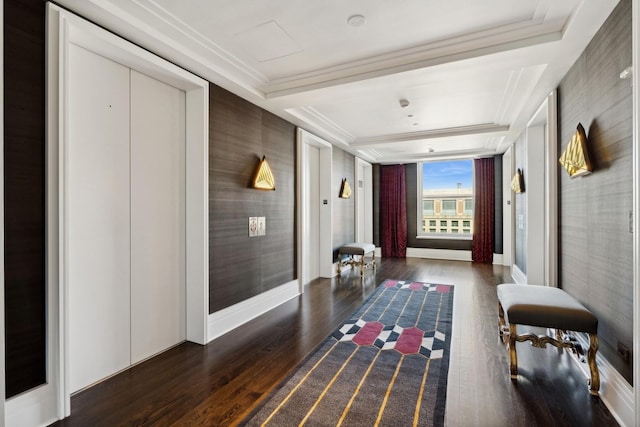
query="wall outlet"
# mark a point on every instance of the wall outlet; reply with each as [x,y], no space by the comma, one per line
[623,352]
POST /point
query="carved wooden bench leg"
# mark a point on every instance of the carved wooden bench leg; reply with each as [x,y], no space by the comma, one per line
[513,356]
[594,383]
[501,322]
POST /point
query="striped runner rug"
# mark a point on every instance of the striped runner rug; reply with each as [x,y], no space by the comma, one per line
[387,365]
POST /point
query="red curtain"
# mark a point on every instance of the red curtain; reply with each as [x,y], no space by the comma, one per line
[393,211]
[483,211]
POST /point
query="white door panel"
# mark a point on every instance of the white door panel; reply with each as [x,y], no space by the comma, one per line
[157,216]
[98,217]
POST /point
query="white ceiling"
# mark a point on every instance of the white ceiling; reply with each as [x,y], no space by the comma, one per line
[473,72]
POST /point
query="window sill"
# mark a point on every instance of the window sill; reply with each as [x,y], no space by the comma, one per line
[443,236]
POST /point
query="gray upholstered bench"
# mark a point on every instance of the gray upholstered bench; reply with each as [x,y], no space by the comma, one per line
[550,308]
[357,253]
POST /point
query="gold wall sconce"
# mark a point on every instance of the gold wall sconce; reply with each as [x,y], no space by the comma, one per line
[575,159]
[517,182]
[263,179]
[345,189]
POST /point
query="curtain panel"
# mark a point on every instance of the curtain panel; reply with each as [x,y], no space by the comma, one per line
[483,211]
[393,211]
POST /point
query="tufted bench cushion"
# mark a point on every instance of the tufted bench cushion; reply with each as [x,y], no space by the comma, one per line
[360,250]
[550,308]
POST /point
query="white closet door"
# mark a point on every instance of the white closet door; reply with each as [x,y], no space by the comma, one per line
[157,216]
[98,217]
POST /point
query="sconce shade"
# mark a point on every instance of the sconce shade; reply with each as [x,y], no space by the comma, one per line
[345,189]
[575,158]
[264,177]
[517,183]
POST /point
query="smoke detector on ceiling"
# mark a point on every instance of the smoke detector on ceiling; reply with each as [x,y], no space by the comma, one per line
[356,20]
[404,103]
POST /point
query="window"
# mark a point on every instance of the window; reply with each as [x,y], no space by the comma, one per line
[427,207]
[448,207]
[468,206]
[445,198]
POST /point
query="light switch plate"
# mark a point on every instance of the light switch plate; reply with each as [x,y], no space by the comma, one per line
[262,226]
[253,226]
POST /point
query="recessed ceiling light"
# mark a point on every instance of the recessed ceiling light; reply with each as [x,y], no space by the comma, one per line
[356,20]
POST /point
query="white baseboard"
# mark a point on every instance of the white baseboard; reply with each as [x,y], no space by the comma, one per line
[37,407]
[446,254]
[517,275]
[497,259]
[616,393]
[227,319]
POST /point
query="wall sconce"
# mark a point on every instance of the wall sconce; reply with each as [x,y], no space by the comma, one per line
[345,189]
[575,159]
[263,180]
[517,182]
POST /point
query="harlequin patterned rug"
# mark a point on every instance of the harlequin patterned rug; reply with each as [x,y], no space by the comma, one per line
[387,365]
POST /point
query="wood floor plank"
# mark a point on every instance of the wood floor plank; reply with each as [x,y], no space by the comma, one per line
[220,383]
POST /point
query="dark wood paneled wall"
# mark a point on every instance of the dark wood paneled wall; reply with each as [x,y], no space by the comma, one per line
[241,267]
[595,248]
[344,229]
[24,194]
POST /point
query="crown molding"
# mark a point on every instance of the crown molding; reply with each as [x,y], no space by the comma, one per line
[430,134]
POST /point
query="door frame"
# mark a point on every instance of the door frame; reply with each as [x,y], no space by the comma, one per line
[325,264]
[63,29]
[364,216]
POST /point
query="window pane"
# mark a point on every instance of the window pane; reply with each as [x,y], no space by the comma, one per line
[446,197]
[468,206]
[448,207]
[427,207]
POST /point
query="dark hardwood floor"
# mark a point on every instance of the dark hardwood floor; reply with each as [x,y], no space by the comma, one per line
[218,384]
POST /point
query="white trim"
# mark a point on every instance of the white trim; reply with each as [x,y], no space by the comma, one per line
[363,201]
[615,391]
[551,192]
[445,254]
[229,318]
[517,275]
[498,259]
[325,250]
[63,29]
[37,407]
